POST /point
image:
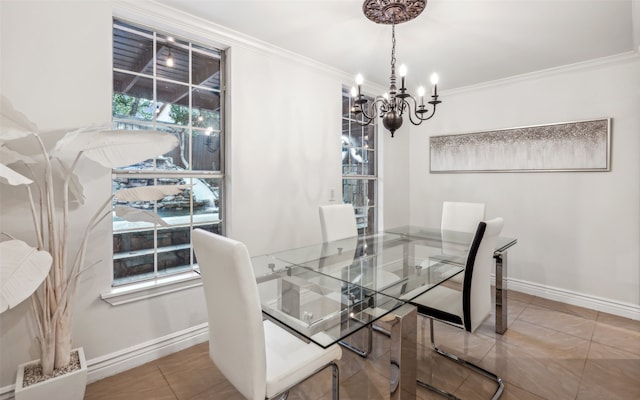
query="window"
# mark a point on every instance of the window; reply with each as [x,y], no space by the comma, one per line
[171,85]
[359,167]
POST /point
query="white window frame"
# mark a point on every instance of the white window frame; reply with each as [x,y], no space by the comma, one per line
[166,283]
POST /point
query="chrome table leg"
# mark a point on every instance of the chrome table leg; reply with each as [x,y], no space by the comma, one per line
[403,353]
[501,292]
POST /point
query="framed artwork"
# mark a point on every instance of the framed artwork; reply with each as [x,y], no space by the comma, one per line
[567,146]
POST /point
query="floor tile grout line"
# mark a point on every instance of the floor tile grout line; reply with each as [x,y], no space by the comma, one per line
[164,376]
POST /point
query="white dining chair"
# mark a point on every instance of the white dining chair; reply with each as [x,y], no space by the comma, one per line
[468,308]
[260,359]
[459,217]
[337,221]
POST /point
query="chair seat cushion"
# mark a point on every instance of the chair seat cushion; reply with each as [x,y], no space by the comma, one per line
[441,303]
[290,360]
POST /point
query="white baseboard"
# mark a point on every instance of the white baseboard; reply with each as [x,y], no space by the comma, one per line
[114,363]
[614,307]
[120,361]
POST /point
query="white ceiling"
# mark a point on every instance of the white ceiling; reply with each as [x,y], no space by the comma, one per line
[464,41]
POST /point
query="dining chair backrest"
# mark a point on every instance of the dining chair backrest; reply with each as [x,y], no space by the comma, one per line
[459,217]
[476,290]
[236,332]
[338,221]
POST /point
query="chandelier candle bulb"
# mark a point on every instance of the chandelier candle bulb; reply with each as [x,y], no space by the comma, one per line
[421,95]
[403,73]
[359,81]
[434,82]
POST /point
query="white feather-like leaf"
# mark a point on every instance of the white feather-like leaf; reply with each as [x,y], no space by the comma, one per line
[117,148]
[135,215]
[9,156]
[76,189]
[22,270]
[13,123]
[149,193]
[11,177]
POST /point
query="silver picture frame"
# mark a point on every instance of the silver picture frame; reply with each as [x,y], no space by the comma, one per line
[577,146]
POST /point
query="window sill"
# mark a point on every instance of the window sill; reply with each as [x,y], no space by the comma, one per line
[157,287]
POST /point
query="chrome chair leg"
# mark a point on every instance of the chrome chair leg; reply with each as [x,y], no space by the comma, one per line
[465,363]
[335,387]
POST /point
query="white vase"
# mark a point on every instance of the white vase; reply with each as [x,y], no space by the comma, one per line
[69,386]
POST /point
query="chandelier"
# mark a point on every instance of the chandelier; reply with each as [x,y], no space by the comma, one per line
[398,102]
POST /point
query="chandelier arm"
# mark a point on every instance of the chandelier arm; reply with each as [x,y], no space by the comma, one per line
[364,119]
[412,112]
[372,111]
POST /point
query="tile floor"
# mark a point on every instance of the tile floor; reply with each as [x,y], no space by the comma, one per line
[551,351]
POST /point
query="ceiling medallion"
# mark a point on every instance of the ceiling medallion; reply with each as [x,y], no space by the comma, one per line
[393,12]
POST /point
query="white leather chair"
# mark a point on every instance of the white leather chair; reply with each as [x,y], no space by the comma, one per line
[459,217]
[338,221]
[260,359]
[466,309]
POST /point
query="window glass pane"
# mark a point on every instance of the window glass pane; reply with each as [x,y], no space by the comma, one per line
[206,107]
[369,168]
[135,265]
[173,102]
[132,97]
[346,106]
[176,159]
[361,193]
[369,133]
[172,59]
[174,250]
[208,197]
[132,49]
[206,151]
[357,192]
[205,69]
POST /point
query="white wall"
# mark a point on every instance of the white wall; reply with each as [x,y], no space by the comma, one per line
[284,138]
[578,232]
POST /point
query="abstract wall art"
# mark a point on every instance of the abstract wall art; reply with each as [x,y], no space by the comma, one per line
[568,146]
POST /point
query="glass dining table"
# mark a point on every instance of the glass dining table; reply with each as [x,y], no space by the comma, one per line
[326,292]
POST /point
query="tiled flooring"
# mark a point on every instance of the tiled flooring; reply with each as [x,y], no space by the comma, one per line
[551,351]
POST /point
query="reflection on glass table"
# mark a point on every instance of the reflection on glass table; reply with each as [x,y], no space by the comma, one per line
[386,263]
[316,306]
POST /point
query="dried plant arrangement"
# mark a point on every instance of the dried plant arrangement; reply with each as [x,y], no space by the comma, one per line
[45,270]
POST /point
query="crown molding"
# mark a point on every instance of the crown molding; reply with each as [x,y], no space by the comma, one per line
[617,59]
[177,22]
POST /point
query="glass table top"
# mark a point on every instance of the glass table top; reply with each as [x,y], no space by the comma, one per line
[316,306]
[327,291]
[387,263]
[446,238]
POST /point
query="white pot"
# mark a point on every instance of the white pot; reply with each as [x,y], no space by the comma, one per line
[69,386]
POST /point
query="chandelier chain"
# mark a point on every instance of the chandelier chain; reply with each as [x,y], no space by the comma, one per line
[393,48]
